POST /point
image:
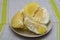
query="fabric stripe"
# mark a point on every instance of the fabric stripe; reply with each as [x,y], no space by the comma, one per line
[56,10]
[4,10]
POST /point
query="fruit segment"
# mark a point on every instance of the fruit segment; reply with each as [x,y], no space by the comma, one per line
[30,9]
[37,13]
[35,27]
[17,20]
[41,16]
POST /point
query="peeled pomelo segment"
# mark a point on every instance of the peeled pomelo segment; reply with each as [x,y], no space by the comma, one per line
[35,27]
[42,29]
[17,20]
[30,8]
[41,16]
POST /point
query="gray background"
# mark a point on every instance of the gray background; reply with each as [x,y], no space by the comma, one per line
[16,5]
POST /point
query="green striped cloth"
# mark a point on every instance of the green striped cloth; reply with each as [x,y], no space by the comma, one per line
[57,12]
[4,11]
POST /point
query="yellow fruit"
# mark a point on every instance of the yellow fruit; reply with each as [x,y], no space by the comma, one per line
[35,27]
[37,13]
[17,20]
[42,29]
[30,9]
[32,18]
